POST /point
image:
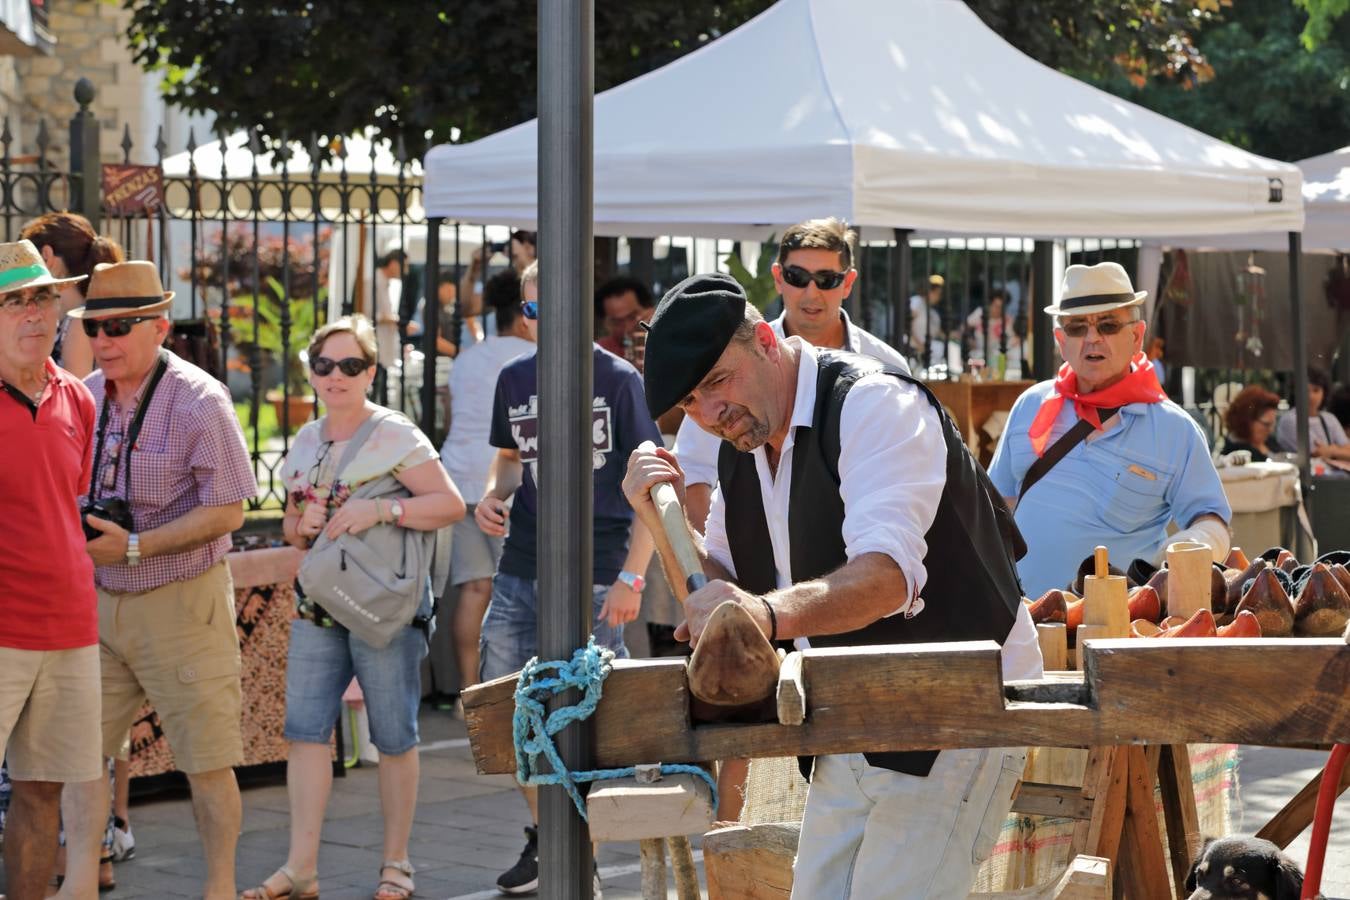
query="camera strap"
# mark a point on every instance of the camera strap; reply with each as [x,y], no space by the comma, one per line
[133,432]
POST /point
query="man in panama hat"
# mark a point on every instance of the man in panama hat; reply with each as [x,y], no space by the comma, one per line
[168,446]
[49,663]
[1112,460]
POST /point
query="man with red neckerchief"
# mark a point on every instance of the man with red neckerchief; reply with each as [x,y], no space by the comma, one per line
[1144,462]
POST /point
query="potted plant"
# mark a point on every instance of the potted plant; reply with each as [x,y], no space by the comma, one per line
[258,321]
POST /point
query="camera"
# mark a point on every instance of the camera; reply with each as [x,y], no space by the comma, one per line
[498,246]
[114,509]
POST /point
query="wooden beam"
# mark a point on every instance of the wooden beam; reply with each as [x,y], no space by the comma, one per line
[1104,786]
[653,857]
[1142,868]
[934,696]
[624,810]
[1036,799]
[750,862]
[1086,878]
[791,691]
[1297,814]
[1180,814]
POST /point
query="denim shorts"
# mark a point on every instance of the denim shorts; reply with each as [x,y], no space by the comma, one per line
[320,665]
[510,635]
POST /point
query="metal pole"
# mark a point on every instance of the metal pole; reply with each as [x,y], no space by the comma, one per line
[1300,374]
[84,155]
[1043,294]
[901,277]
[431,324]
[566,256]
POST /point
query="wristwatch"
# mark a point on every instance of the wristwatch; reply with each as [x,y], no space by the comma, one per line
[396,512]
[133,549]
[634,581]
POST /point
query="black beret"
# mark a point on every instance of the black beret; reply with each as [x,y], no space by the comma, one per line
[692,325]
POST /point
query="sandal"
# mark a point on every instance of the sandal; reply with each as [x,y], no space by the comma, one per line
[388,889]
[296,889]
[107,881]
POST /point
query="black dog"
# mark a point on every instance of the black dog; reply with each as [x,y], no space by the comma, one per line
[1240,868]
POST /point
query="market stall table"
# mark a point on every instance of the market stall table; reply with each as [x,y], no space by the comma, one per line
[1265,500]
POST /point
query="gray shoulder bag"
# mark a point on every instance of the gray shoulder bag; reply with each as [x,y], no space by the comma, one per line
[371,583]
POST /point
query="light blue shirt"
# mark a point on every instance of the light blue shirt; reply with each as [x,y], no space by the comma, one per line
[1118,489]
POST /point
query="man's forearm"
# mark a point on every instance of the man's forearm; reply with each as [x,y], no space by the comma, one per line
[191,530]
[504,476]
[856,594]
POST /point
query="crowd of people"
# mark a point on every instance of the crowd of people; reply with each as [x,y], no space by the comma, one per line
[829,494]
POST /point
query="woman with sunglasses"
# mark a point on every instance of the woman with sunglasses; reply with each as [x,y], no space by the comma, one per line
[1251,423]
[71,247]
[323,655]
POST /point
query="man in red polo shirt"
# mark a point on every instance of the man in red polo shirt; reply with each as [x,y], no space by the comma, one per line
[49,663]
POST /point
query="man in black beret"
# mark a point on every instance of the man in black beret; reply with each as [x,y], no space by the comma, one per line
[848,512]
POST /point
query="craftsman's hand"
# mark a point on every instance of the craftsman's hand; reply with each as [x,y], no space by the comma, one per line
[621,605]
[699,606]
[490,514]
[353,517]
[109,548]
[312,519]
[646,469]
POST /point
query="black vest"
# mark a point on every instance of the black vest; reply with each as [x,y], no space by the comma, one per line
[973,543]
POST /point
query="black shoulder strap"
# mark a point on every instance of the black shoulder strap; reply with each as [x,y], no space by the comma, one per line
[1060,449]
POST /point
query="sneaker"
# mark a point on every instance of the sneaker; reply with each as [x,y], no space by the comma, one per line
[523,877]
[124,843]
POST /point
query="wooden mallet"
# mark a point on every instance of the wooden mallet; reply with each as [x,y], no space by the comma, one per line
[733,664]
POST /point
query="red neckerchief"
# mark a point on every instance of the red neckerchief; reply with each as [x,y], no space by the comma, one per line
[1139,386]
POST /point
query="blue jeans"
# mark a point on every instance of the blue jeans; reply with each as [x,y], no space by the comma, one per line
[510,634]
[320,665]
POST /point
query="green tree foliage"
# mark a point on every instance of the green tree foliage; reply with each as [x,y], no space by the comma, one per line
[1322,18]
[416,70]
[1269,93]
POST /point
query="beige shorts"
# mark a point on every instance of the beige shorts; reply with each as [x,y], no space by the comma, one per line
[177,647]
[47,700]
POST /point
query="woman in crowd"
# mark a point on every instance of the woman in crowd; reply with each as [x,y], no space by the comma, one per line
[1326,437]
[323,655]
[70,247]
[1251,423]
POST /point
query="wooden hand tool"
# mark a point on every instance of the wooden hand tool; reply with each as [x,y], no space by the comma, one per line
[733,664]
[1188,578]
[1105,602]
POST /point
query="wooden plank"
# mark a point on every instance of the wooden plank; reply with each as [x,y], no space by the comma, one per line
[682,862]
[1142,868]
[1086,878]
[621,809]
[1180,815]
[653,856]
[1297,814]
[1036,799]
[1054,640]
[1210,690]
[791,691]
[750,862]
[933,696]
[1104,786]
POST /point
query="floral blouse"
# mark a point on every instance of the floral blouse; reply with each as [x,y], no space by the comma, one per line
[309,470]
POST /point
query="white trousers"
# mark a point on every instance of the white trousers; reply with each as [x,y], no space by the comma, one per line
[873,833]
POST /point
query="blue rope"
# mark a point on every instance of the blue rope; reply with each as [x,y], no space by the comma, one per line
[533,727]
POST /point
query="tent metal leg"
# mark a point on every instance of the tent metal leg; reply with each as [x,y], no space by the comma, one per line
[1300,378]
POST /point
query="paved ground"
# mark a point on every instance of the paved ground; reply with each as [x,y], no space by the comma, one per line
[469,829]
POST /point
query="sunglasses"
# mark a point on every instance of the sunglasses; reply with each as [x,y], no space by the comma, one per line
[113,328]
[351,366]
[824,279]
[530,309]
[16,302]
[1106,327]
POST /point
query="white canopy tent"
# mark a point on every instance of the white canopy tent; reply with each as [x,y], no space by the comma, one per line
[890,113]
[1326,205]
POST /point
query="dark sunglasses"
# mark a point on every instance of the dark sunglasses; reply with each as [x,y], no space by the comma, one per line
[113,328]
[351,366]
[530,309]
[824,279]
[1106,327]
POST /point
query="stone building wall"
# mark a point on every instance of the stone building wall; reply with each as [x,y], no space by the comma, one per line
[90,43]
